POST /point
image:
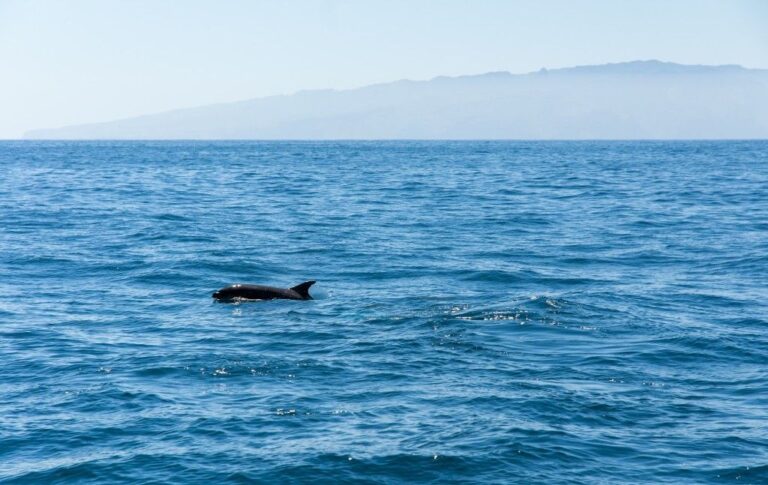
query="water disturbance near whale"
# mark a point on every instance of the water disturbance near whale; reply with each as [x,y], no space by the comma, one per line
[239,292]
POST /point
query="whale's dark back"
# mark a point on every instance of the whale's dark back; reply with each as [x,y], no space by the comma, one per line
[260,292]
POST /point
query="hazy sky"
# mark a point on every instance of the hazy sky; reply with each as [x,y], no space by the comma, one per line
[79,61]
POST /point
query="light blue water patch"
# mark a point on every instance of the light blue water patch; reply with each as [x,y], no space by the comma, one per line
[485,311]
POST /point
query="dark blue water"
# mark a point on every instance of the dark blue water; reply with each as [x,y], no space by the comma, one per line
[486,312]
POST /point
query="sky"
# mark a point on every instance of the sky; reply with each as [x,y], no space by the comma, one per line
[81,61]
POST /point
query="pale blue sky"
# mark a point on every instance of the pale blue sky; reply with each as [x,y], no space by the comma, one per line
[78,61]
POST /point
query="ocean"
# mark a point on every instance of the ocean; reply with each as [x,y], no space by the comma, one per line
[485,312]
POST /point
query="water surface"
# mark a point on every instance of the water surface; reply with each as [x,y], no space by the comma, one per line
[485,311]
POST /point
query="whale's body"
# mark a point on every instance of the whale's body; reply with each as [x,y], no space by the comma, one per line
[259,292]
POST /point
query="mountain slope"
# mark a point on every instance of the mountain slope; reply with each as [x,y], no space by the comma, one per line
[633,100]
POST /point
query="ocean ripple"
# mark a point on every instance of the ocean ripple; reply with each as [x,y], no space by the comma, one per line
[490,312]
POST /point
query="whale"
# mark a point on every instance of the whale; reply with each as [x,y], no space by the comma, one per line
[241,292]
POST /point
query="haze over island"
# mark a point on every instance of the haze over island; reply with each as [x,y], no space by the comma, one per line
[630,100]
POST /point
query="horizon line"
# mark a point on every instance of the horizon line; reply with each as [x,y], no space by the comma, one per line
[331,140]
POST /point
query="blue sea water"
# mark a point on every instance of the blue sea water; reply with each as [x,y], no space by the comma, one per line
[490,312]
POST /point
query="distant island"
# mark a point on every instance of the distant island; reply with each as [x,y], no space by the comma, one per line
[630,100]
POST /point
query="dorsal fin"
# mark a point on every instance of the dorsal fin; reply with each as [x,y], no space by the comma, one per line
[303,289]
